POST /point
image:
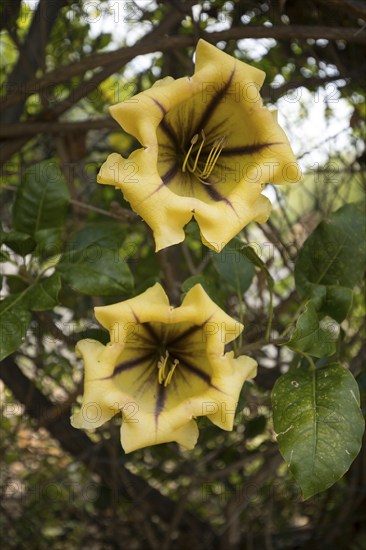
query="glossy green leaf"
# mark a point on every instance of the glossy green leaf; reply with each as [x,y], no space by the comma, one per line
[44,294]
[319,424]
[20,243]
[104,234]
[14,321]
[332,261]
[41,200]
[337,301]
[234,268]
[49,242]
[96,271]
[16,284]
[318,338]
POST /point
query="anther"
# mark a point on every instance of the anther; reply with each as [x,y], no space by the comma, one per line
[161,366]
[171,372]
[193,142]
[199,150]
[213,156]
[164,378]
[211,160]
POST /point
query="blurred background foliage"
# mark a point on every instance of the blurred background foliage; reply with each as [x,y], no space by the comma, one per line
[63,63]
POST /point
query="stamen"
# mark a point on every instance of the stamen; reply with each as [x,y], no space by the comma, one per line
[199,151]
[193,142]
[161,366]
[170,374]
[211,160]
[212,157]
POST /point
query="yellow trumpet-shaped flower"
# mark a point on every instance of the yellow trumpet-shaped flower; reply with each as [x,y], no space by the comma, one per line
[163,367]
[209,146]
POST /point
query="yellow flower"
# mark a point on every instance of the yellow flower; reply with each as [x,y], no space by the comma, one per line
[209,146]
[163,367]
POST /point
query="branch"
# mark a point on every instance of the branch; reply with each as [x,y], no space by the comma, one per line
[30,128]
[291,32]
[272,93]
[166,43]
[32,51]
[121,214]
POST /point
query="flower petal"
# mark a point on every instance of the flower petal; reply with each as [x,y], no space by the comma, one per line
[212,60]
[220,406]
[258,149]
[100,396]
[143,434]
[141,114]
[149,197]
[216,232]
[218,328]
[151,305]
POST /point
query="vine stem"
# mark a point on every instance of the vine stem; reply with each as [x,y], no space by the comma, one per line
[270,315]
[308,358]
[260,344]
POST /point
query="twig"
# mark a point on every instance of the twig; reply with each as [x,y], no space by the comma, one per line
[122,215]
[260,344]
[269,467]
[179,510]
[187,256]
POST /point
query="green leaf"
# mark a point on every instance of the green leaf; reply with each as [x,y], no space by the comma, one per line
[14,321]
[332,261]
[104,234]
[232,265]
[337,301]
[314,337]
[16,284]
[96,271]
[49,242]
[317,417]
[44,294]
[20,243]
[15,315]
[41,200]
